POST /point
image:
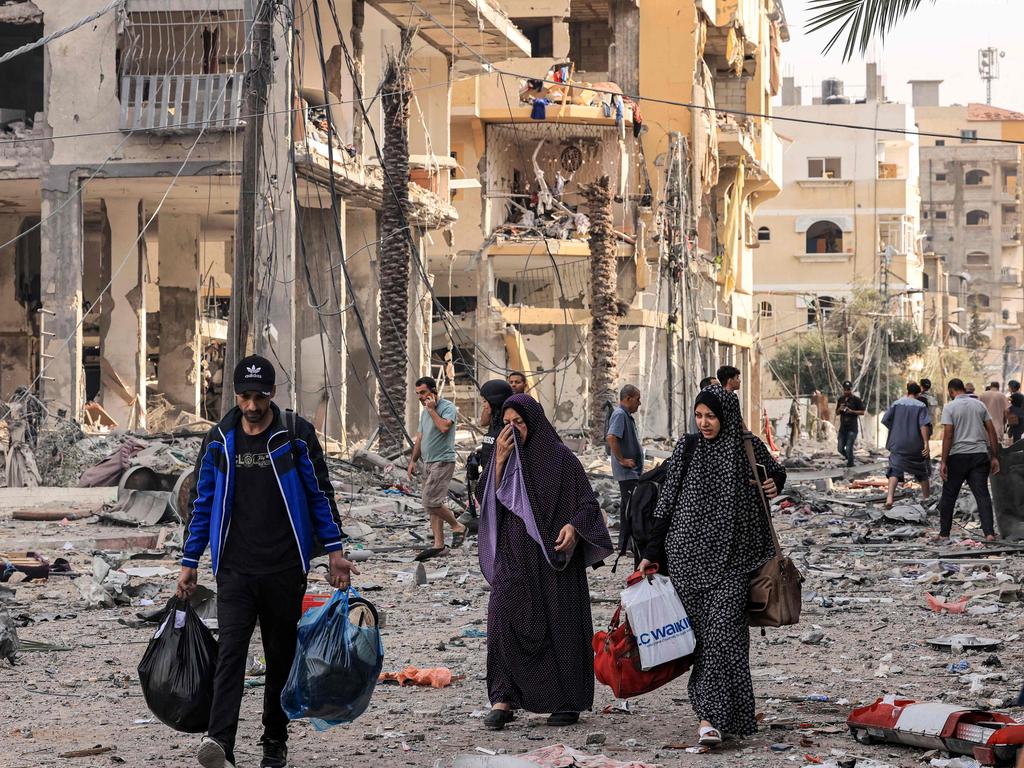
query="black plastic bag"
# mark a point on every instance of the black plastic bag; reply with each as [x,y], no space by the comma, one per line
[176,672]
[337,662]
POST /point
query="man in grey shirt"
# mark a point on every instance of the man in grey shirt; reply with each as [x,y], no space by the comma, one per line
[624,444]
[970,450]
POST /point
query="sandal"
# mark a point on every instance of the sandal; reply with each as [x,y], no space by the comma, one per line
[458,539]
[429,553]
[709,737]
[497,719]
[560,719]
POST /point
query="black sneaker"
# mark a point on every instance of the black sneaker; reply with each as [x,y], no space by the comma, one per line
[275,753]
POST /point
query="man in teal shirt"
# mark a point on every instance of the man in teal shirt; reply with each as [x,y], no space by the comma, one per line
[435,443]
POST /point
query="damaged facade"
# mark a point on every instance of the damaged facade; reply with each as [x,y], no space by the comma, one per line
[127,172]
[530,137]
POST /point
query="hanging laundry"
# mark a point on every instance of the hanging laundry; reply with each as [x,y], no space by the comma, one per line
[539,111]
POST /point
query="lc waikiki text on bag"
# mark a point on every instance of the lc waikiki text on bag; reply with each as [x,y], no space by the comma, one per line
[658,620]
[338,659]
[176,671]
[617,659]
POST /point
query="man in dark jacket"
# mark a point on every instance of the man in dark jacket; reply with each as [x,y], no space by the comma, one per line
[262,496]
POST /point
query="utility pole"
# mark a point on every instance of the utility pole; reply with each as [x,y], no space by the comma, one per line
[257,84]
[846,340]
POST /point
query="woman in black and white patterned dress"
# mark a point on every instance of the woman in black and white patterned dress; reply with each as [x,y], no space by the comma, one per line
[712,532]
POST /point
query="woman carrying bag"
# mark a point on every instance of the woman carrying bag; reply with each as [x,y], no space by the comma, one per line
[712,527]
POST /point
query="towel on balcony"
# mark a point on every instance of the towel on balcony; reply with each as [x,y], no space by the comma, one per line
[539,109]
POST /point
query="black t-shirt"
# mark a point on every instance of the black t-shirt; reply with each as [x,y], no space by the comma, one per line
[260,538]
[848,421]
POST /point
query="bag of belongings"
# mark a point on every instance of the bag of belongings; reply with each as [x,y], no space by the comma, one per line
[176,671]
[337,662]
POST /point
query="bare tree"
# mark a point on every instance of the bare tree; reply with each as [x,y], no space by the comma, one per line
[395,249]
[604,307]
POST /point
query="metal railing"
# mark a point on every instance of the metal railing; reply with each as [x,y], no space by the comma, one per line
[181,103]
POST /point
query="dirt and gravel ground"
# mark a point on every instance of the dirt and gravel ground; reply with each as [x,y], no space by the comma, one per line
[865,626]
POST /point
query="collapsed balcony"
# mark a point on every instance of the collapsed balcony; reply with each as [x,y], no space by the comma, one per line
[536,173]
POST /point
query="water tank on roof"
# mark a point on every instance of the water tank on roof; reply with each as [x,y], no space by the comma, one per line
[832,91]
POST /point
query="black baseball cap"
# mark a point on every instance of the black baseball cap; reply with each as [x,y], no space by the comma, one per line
[255,374]
[847,385]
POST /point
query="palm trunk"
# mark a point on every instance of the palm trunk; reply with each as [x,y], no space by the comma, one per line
[604,308]
[395,251]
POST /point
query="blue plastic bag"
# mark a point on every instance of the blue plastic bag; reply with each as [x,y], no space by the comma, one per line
[337,662]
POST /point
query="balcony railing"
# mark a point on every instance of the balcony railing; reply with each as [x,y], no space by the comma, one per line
[1009,276]
[181,103]
[1011,233]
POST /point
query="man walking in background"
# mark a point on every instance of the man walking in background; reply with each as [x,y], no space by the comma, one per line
[517,380]
[996,405]
[908,423]
[729,377]
[850,408]
[262,494]
[435,442]
[624,444]
[970,451]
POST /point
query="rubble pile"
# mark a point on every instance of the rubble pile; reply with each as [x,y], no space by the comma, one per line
[886,611]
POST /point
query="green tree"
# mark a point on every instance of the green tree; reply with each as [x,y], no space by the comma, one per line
[859,20]
[976,340]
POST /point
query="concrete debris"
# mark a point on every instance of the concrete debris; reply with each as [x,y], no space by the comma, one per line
[867,627]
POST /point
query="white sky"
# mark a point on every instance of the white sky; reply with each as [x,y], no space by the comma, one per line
[936,42]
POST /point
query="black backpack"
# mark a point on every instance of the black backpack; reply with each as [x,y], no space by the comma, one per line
[637,521]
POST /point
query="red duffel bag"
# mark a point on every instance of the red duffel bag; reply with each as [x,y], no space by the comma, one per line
[617,659]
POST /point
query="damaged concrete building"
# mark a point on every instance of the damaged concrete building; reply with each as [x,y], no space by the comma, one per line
[120,163]
[529,138]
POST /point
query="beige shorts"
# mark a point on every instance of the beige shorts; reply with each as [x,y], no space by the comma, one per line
[436,481]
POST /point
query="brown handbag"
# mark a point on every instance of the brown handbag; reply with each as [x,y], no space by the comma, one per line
[774,599]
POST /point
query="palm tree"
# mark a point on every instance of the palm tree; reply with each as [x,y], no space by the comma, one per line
[395,250]
[861,20]
[604,307]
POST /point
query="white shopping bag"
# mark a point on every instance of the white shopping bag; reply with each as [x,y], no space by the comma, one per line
[658,620]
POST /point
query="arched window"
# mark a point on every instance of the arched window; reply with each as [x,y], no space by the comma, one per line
[766,309]
[824,304]
[977,259]
[824,237]
[764,234]
[978,300]
[977,177]
[977,218]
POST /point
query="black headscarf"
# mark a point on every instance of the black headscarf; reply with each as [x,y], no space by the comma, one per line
[710,399]
[495,392]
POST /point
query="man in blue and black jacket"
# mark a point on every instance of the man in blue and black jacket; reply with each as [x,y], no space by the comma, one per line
[262,499]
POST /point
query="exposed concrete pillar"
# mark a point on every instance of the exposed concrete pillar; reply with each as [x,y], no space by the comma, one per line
[180,353]
[274,315]
[16,331]
[123,347]
[419,332]
[320,321]
[362,261]
[61,286]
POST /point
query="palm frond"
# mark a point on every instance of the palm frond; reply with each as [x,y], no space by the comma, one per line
[859,20]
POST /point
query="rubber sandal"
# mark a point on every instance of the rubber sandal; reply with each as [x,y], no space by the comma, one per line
[458,539]
[559,719]
[497,719]
[709,737]
[428,553]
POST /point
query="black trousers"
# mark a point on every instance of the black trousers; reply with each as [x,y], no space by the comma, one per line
[275,600]
[972,468]
[847,437]
[626,488]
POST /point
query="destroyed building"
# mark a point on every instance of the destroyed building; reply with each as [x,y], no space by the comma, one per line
[127,172]
[970,210]
[531,136]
